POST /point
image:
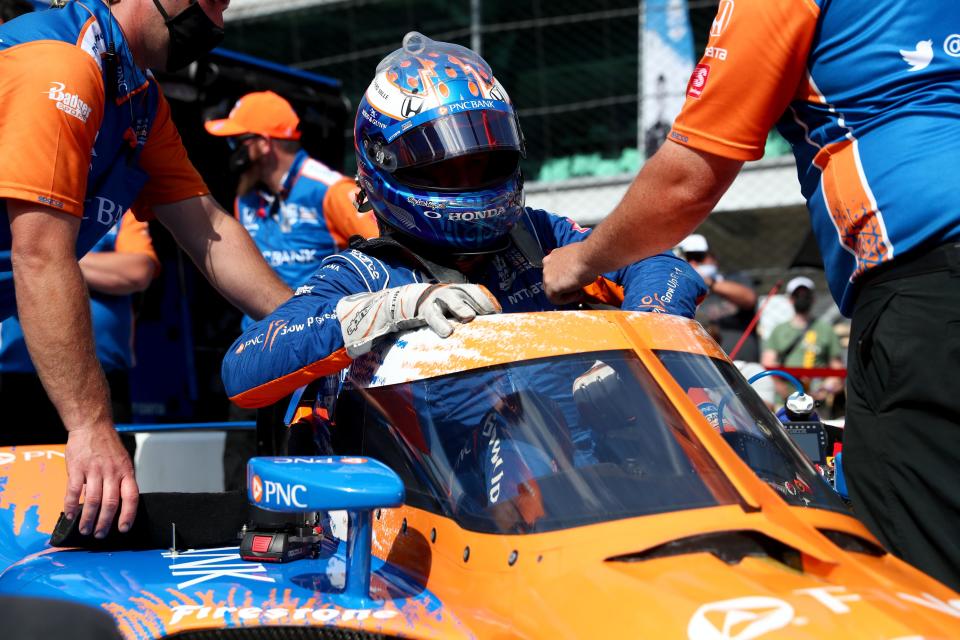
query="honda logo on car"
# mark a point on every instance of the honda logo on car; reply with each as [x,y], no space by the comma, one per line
[276,493]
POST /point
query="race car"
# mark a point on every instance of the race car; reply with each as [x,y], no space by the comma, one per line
[575,474]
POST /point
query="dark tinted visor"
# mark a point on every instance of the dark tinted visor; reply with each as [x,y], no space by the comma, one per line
[463,173]
[470,149]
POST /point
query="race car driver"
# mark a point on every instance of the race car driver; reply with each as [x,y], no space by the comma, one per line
[85,135]
[297,210]
[438,149]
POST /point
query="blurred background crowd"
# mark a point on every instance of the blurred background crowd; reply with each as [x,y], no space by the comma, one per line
[598,85]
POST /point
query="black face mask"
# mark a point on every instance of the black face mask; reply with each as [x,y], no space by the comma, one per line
[240,160]
[192,34]
[802,301]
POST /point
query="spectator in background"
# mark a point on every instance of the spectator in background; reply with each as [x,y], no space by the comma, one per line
[122,263]
[731,304]
[10,9]
[803,342]
[297,210]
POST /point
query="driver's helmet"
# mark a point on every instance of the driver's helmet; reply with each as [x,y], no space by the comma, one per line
[439,146]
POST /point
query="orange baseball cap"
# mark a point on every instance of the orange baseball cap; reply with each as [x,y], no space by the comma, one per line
[263,113]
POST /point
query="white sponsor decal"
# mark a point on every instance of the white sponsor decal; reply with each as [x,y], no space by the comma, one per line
[921,56]
[951,46]
[420,202]
[739,619]
[753,616]
[108,211]
[214,564]
[27,456]
[493,445]
[469,216]
[69,103]
[276,258]
[94,43]
[283,493]
[272,614]
[470,105]
[527,293]
[672,283]
[724,13]
[372,119]
[303,460]
[715,52]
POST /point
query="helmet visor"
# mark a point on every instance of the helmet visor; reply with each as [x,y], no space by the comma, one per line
[461,151]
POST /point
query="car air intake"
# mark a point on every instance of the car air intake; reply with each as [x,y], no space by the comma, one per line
[729,546]
[279,633]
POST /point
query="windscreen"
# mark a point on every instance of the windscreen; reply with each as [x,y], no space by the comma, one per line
[736,411]
[539,445]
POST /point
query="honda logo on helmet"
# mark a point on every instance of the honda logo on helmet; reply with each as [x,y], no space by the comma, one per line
[412,106]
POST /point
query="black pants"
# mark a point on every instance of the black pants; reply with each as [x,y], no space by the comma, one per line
[902,437]
[30,418]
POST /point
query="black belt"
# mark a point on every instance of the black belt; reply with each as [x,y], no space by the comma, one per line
[915,263]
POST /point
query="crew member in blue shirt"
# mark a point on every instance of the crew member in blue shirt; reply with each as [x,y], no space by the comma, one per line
[297,210]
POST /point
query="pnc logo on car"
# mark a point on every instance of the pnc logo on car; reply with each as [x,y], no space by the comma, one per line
[256,488]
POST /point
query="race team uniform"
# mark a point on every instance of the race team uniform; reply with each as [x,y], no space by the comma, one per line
[866,95]
[302,339]
[313,217]
[81,131]
[112,319]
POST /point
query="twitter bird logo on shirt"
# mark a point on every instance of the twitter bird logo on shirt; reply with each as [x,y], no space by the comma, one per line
[920,58]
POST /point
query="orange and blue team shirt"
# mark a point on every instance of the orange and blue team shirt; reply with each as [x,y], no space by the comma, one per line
[867,95]
[313,217]
[112,316]
[82,132]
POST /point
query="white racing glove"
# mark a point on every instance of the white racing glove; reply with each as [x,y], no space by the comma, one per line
[364,317]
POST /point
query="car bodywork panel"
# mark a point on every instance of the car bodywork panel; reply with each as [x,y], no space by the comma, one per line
[742,570]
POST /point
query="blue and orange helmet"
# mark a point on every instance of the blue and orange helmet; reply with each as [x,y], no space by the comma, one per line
[439,146]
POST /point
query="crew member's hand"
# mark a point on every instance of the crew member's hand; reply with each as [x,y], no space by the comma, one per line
[565,273]
[98,464]
[364,317]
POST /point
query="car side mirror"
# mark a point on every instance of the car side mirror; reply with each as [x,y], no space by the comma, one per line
[357,485]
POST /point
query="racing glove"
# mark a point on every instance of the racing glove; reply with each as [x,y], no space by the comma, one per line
[364,317]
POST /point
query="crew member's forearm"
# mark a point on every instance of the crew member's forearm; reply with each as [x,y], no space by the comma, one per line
[673,193]
[117,273]
[237,269]
[55,315]
[223,250]
[739,294]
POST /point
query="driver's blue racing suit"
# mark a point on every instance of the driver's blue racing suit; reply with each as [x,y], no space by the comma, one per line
[302,341]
